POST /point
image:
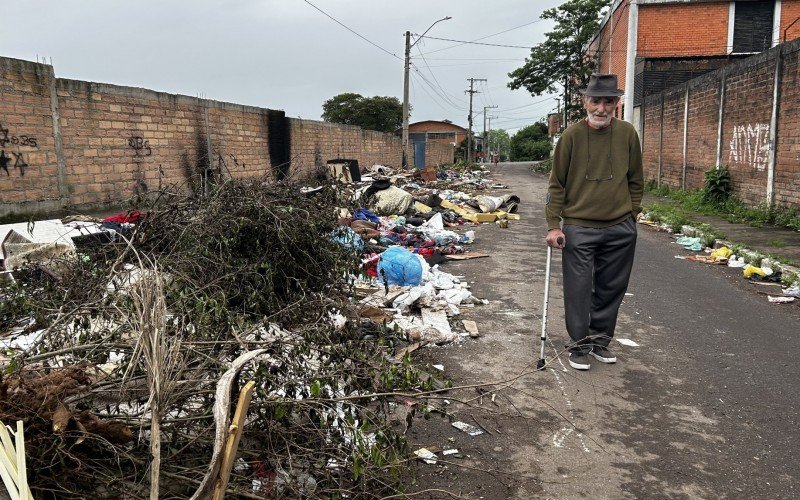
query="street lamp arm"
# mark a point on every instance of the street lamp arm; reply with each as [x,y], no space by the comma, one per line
[406,64]
[429,28]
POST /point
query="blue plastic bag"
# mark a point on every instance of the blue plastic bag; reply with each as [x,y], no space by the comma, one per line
[398,266]
[348,238]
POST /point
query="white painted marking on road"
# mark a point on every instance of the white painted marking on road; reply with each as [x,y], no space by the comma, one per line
[560,436]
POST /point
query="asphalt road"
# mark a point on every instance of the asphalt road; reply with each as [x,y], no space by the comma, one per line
[705,407]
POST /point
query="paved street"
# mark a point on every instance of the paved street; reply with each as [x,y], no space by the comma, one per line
[705,407]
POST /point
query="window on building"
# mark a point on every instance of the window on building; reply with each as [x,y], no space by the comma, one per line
[752,26]
[442,135]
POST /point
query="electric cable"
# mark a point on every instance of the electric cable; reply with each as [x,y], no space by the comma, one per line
[353,31]
[487,36]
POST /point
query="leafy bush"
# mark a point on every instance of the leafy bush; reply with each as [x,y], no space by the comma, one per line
[717,185]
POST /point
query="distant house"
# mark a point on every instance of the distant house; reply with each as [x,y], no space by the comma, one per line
[673,41]
[443,132]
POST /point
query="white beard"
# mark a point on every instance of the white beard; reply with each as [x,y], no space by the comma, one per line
[599,122]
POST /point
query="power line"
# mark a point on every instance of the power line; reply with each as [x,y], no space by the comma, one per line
[353,31]
[468,64]
[436,101]
[462,42]
[488,91]
[515,59]
[438,92]
[487,36]
[527,105]
[433,75]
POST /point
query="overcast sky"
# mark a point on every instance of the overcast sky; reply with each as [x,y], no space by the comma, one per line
[285,54]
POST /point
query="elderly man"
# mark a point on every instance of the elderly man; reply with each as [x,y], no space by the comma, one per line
[594,195]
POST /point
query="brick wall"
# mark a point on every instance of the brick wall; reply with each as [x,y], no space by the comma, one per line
[651,138]
[437,153]
[27,139]
[745,141]
[790,12]
[787,177]
[313,143]
[691,29]
[610,47]
[701,137]
[69,143]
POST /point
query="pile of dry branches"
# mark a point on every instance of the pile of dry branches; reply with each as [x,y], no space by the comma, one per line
[131,340]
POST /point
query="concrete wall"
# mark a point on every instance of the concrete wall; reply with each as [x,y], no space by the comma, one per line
[745,92]
[75,144]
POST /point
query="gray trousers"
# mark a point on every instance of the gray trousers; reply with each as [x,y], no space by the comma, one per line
[596,264]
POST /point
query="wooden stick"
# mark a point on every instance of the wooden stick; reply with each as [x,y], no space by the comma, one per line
[22,471]
[8,465]
[232,444]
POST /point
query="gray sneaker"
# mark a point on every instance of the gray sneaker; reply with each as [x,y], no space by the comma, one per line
[579,361]
[602,354]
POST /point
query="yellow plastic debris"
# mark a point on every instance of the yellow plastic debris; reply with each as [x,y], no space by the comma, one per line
[421,207]
[751,270]
[721,253]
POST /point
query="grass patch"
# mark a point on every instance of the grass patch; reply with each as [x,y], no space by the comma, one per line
[731,209]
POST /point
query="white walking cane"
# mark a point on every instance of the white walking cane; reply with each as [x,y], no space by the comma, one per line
[540,364]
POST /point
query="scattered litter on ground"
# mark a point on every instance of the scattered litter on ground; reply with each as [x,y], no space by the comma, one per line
[426,456]
[471,327]
[792,291]
[690,243]
[468,428]
[627,342]
[780,300]
[736,262]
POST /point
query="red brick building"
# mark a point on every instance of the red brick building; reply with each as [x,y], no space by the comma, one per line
[443,132]
[662,43]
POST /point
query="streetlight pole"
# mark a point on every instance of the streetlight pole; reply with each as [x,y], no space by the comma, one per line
[406,65]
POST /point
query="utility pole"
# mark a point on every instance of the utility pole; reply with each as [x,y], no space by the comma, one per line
[485,136]
[471,91]
[490,129]
[406,65]
[405,99]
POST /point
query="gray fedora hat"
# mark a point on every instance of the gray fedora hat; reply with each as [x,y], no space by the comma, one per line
[602,86]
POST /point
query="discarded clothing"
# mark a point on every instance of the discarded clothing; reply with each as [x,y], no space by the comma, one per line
[348,238]
[365,214]
[125,218]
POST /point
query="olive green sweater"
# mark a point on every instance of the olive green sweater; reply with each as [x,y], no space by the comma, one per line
[597,178]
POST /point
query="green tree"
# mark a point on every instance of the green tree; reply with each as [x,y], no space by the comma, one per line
[560,61]
[499,142]
[384,114]
[530,143]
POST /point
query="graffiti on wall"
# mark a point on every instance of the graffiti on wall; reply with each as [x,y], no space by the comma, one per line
[14,159]
[750,145]
[141,147]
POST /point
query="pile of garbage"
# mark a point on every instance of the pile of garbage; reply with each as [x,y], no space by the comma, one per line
[405,227]
[120,334]
[124,352]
